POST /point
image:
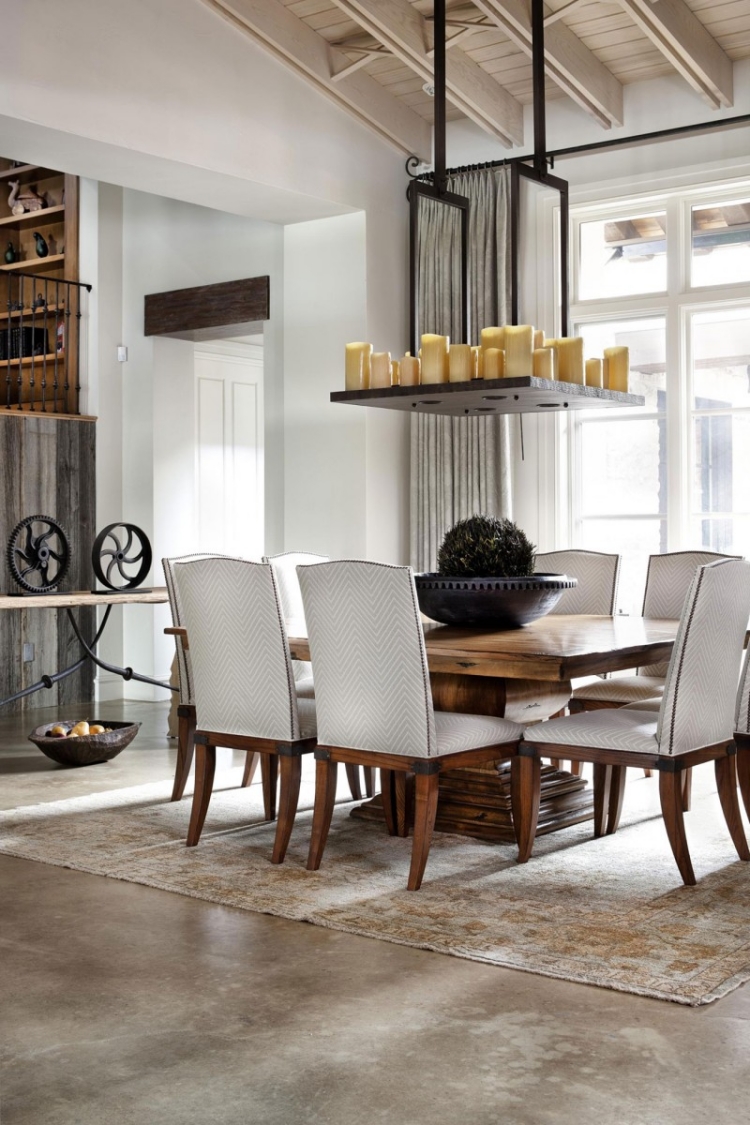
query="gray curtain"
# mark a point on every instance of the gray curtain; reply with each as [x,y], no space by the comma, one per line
[461,466]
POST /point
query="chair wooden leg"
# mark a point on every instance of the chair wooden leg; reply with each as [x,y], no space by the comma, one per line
[648,773]
[525,793]
[726,783]
[388,797]
[556,763]
[251,765]
[687,789]
[369,772]
[205,767]
[325,795]
[616,795]
[602,789]
[269,766]
[576,768]
[672,809]
[425,808]
[352,776]
[403,792]
[185,747]
[743,771]
[291,775]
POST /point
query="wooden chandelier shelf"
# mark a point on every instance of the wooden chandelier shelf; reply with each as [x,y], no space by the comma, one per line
[527,395]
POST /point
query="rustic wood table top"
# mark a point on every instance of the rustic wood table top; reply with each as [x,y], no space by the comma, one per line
[75,598]
[556,647]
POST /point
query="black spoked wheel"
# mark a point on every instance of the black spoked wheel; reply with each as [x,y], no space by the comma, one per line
[121,556]
[38,554]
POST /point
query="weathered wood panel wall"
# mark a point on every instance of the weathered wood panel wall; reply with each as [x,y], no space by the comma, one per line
[49,468]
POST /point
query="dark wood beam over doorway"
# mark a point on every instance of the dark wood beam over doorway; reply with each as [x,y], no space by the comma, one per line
[231,308]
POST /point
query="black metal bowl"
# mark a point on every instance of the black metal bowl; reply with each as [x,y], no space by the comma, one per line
[86,749]
[490,603]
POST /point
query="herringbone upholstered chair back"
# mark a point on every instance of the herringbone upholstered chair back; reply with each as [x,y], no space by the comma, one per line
[698,708]
[285,569]
[742,715]
[598,575]
[667,582]
[184,663]
[372,688]
[242,671]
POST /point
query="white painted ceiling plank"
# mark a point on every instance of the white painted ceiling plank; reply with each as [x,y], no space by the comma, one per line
[691,49]
[569,61]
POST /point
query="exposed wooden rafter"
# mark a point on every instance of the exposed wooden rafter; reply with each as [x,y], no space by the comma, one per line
[404,31]
[277,29]
[683,39]
[569,62]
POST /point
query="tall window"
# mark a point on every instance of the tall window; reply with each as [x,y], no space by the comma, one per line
[671,280]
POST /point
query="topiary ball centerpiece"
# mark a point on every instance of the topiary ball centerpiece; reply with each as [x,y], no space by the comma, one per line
[485,578]
[482,546]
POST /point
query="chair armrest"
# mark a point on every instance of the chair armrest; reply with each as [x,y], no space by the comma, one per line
[178,631]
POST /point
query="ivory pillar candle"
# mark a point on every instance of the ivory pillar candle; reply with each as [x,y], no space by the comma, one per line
[380,369]
[435,358]
[358,366]
[544,363]
[460,363]
[478,355]
[519,345]
[493,338]
[410,366]
[594,373]
[395,373]
[570,368]
[617,368]
[538,339]
[494,363]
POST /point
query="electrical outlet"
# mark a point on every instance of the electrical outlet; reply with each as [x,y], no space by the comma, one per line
[28,652]
[122,354]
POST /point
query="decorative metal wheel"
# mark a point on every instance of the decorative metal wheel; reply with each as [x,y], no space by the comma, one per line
[121,551]
[38,554]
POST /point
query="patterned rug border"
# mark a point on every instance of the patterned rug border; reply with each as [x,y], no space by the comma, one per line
[158,792]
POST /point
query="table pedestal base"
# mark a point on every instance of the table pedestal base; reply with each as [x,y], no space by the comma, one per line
[476,802]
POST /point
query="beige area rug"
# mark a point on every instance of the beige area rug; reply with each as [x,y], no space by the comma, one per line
[610,912]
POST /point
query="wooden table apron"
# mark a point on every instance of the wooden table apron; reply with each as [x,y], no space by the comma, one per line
[523,675]
[73,600]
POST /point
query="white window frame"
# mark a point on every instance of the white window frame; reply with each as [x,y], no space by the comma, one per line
[559,486]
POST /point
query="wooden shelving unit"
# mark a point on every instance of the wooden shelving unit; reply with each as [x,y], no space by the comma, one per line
[37,284]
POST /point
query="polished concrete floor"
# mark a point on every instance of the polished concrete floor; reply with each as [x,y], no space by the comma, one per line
[123,1005]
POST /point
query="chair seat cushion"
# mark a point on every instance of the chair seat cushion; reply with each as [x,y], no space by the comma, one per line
[308,723]
[618,729]
[621,689]
[457,732]
[644,705]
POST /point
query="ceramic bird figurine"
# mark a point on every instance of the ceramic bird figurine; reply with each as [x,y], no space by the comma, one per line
[10,253]
[22,201]
[42,249]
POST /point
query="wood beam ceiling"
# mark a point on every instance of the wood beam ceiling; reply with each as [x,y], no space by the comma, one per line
[569,62]
[690,48]
[404,31]
[288,37]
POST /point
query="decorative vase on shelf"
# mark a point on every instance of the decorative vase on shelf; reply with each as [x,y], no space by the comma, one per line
[10,254]
[486,578]
[42,250]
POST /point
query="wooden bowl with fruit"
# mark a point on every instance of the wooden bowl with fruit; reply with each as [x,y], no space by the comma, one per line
[83,743]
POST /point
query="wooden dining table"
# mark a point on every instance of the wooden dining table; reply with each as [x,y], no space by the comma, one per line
[525,675]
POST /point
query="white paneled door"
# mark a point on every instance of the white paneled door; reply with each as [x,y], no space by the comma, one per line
[229,448]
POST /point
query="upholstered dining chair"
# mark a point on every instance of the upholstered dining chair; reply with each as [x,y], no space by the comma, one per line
[374,703]
[243,682]
[667,582]
[742,732]
[285,568]
[186,706]
[695,722]
[598,577]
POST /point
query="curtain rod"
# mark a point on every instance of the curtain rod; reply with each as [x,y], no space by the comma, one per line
[577,150]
